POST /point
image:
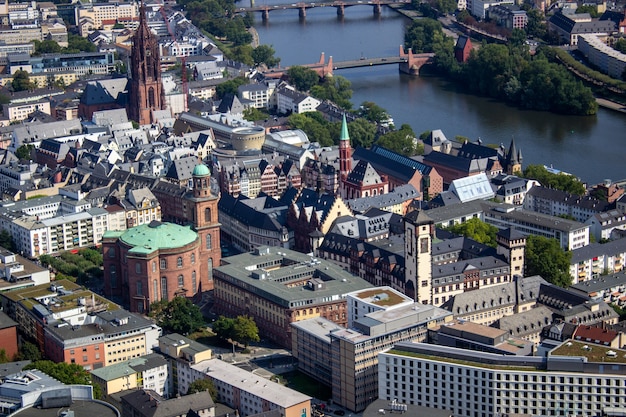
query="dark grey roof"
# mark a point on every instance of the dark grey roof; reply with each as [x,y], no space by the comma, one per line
[568,199]
[147,403]
[182,169]
[592,250]
[258,212]
[392,163]
[6,321]
[603,283]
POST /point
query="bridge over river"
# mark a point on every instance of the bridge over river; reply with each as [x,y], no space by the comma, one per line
[339,5]
[409,63]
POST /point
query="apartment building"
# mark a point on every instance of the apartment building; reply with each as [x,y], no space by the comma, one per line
[248,393]
[145,372]
[182,353]
[590,262]
[572,379]
[90,16]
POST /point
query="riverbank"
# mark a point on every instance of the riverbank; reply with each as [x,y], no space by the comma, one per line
[611,105]
[255,37]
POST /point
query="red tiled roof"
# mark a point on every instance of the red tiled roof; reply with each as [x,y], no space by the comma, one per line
[593,334]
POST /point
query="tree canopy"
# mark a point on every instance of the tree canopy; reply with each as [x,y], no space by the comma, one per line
[179,315]
[204,384]
[544,256]
[314,125]
[264,54]
[67,373]
[302,78]
[21,81]
[401,141]
[24,151]
[241,329]
[337,89]
[476,229]
[230,86]
[373,112]
[561,181]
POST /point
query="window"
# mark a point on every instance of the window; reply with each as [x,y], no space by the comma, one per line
[179,262]
[138,267]
[111,252]
[209,245]
[181,281]
[193,258]
[163,264]
[207,214]
[193,282]
[210,269]
[113,276]
[139,288]
[164,288]
[153,266]
[155,290]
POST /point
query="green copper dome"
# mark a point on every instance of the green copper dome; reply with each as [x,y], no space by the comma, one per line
[201,170]
[156,235]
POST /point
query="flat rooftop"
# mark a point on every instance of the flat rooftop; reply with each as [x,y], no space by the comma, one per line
[80,409]
[593,352]
[382,296]
[258,386]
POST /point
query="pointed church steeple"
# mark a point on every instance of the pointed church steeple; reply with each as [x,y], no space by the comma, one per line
[146,87]
[345,151]
[513,159]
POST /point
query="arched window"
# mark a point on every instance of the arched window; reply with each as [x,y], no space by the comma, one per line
[207,214]
[155,290]
[163,264]
[153,266]
[181,281]
[164,288]
[209,244]
[151,97]
[193,282]
[179,262]
[193,258]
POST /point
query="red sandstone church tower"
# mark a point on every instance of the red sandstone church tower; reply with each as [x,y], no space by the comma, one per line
[345,151]
[146,88]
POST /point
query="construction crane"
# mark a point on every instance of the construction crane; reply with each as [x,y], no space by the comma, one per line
[182,56]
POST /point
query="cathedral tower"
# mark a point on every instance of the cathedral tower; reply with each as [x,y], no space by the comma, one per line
[146,88]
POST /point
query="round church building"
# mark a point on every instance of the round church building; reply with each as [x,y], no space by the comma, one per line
[151,262]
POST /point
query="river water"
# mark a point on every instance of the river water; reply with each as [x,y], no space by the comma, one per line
[593,147]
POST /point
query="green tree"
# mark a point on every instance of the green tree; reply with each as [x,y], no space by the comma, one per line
[545,257]
[302,78]
[179,315]
[476,229]
[230,86]
[264,54]
[362,133]
[223,328]
[313,124]
[245,330]
[46,47]
[21,81]
[29,351]
[242,53]
[201,385]
[373,112]
[6,240]
[563,182]
[424,35]
[253,114]
[402,141]
[24,152]
[337,89]
[3,356]
[592,10]
[76,44]
[67,373]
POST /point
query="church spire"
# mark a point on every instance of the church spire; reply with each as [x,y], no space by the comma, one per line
[345,151]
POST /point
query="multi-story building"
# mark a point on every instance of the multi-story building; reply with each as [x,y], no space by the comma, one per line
[81,64]
[141,207]
[249,393]
[361,303]
[258,94]
[90,16]
[18,272]
[107,338]
[572,379]
[347,358]
[609,60]
[181,353]
[289,101]
[560,203]
[592,261]
[508,15]
[8,336]
[278,286]
[147,403]
[247,225]
[144,372]
[52,224]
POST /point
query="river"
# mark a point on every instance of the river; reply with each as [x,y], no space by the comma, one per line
[593,147]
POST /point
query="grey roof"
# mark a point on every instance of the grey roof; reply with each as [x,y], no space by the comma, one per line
[441,215]
[568,199]
[571,26]
[106,92]
[603,283]
[182,169]
[391,163]
[494,297]
[457,268]
[399,195]
[39,131]
[6,321]
[611,248]
[286,265]
[526,322]
[248,212]
[131,366]
[147,403]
